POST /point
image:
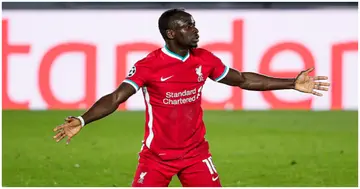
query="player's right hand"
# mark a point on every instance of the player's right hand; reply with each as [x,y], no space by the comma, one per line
[70,128]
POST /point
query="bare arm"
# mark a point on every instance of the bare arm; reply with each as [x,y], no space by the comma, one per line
[108,103]
[257,82]
[103,107]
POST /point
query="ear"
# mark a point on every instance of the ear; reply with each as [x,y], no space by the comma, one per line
[170,34]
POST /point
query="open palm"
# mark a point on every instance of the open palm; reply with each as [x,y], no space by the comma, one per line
[70,128]
[307,84]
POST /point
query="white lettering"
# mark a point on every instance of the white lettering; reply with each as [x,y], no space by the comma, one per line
[190,96]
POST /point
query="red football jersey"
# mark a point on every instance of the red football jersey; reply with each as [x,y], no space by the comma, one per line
[172,87]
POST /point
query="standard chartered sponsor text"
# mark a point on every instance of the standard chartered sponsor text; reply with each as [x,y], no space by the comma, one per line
[183,97]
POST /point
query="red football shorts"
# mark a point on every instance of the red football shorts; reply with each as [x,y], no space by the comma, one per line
[192,172]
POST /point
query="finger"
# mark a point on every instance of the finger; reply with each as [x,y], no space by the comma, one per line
[60,138]
[321,78]
[58,134]
[321,88]
[69,118]
[316,93]
[68,140]
[322,83]
[59,128]
[309,70]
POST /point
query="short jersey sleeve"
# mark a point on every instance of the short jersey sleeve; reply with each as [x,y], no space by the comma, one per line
[219,70]
[138,75]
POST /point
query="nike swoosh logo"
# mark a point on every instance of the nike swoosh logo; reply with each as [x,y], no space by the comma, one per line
[214,179]
[164,79]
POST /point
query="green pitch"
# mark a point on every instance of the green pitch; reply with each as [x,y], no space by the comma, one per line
[265,148]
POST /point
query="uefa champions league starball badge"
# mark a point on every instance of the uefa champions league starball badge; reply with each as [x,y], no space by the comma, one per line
[132,71]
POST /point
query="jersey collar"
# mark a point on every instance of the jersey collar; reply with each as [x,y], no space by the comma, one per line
[174,55]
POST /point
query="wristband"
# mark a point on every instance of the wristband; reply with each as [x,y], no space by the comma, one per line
[81,120]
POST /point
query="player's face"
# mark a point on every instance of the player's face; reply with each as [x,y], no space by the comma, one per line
[186,34]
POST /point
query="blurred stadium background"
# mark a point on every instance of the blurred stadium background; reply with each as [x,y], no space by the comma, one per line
[58,58]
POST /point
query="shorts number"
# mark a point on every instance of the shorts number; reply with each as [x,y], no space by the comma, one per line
[210,165]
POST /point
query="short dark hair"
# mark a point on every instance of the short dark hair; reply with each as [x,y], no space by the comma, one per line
[166,18]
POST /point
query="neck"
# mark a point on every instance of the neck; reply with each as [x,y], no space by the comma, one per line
[177,50]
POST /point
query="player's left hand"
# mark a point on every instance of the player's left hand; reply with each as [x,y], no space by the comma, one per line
[307,84]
